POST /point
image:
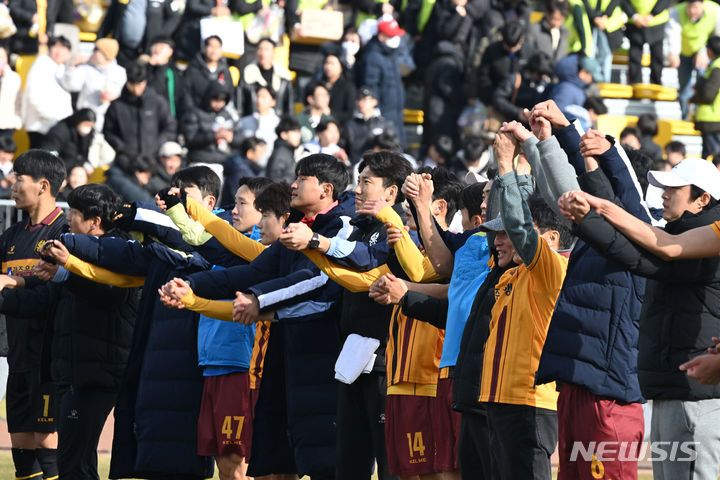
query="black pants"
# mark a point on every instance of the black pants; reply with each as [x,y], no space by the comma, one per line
[635,60]
[474,448]
[361,428]
[81,417]
[36,139]
[523,438]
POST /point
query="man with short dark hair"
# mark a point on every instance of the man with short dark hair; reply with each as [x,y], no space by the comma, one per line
[550,34]
[366,123]
[208,66]
[139,122]
[281,164]
[265,72]
[30,396]
[295,412]
[92,331]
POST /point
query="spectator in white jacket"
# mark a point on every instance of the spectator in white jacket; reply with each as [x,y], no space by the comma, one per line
[99,79]
[45,101]
[9,96]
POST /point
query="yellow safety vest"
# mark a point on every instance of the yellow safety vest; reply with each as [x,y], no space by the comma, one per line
[644,7]
[362,16]
[695,34]
[615,20]
[709,112]
[574,42]
[425,12]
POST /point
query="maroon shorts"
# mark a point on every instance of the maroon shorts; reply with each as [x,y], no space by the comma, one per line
[225,421]
[446,428]
[409,435]
[584,421]
[254,394]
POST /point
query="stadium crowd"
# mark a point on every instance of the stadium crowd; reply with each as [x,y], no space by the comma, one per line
[282,290]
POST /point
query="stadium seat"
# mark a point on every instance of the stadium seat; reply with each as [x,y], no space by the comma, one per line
[681,127]
[235,74]
[621,57]
[413,117]
[615,90]
[536,17]
[89,37]
[22,140]
[99,174]
[22,67]
[654,92]
[614,124]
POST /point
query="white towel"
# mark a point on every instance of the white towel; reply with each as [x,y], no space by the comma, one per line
[357,357]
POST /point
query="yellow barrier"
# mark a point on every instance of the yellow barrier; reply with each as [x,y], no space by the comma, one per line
[622,58]
[87,37]
[22,140]
[22,67]
[235,74]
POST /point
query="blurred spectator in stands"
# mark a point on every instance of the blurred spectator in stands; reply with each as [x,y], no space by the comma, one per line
[164,76]
[575,74]
[71,137]
[501,12]
[630,138]
[7,154]
[187,36]
[208,66]
[442,103]
[388,141]
[281,165]
[502,58]
[129,177]
[440,152]
[265,72]
[35,20]
[339,85]
[350,49]
[524,89]
[606,22]
[243,164]
[453,21]
[77,176]
[697,20]
[549,35]
[10,96]
[317,109]
[366,123]
[263,122]
[707,96]
[328,137]
[471,163]
[170,158]
[139,121]
[675,152]
[664,165]
[211,132]
[45,102]
[647,19]
[133,23]
[98,80]
[381,73]
[580,40]
[595,107]
[648,128]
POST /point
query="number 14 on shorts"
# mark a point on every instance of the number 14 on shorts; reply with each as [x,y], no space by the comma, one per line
[416,446]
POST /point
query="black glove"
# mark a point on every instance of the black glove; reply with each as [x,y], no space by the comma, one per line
[125,216]
[171,200]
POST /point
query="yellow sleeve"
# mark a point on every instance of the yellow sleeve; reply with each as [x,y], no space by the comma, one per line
[191,230]
[234,241]
[102,275]
[360,281]
[408,254]
[350,279]
[219,309]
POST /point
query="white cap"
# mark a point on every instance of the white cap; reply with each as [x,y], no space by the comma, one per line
[691,171]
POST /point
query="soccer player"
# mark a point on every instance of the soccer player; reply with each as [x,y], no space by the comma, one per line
[30,397]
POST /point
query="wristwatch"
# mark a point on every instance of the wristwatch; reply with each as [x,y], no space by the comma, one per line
[314,242]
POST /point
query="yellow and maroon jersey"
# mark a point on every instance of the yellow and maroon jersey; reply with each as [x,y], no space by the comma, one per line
[257,359]
[525,298]
[413,351]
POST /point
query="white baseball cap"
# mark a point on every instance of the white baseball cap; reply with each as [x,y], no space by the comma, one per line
[691,171]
